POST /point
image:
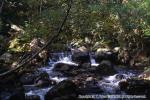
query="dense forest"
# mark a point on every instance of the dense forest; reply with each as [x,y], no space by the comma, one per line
[115,33]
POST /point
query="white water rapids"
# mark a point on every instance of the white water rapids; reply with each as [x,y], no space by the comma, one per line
[108,84]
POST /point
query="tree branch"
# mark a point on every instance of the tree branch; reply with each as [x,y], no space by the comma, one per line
[47,44]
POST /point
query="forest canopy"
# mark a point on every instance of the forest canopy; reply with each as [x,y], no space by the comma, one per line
[122,23]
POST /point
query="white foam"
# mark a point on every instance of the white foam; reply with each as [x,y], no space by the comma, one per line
[39,92]
[93,62]
[58,79]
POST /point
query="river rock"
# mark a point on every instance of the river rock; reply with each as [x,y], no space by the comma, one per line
[136,87]
[105,68]
[80,55]
[28,78]
[65,90]
[91,86]
[120,76]
[87,83]
[65,68]
[123,84]
[108,55]
[102,50]
[43,80]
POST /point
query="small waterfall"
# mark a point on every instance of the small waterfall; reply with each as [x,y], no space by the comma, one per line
[108,84]
[93,62]
[58,77]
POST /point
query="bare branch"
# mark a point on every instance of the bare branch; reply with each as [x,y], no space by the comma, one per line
[47,44]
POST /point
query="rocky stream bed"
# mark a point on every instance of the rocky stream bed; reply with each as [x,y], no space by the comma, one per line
[71,77]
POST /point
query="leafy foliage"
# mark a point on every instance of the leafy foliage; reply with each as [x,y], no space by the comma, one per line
[105,22]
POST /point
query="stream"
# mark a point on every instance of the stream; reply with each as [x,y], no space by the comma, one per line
[109,84]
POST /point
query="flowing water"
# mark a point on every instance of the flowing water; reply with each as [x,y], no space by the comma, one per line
[58,77]
[108,84]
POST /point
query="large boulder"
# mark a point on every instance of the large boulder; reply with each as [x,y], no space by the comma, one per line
[105,68]
[65,68]
[106,54]
[136,87]
[80,55]
[38,79]
[65,90]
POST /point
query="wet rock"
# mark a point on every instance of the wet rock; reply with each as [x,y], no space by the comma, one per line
[102,50]
[87,83]
[32,77]
[120,76]
[28,78]
[32,97]
[42,76]
[136,87]
[80,55]
[105,68]
[64,67]
[54,57]
[111,56]
[85,65]
[43,81]
[123,85]
[65,90]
